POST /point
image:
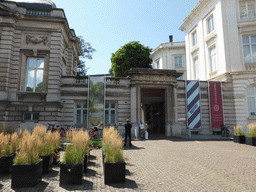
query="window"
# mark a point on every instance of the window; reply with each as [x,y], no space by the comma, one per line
[35,73]
[110,113]
[251,101]
[210,24]
[212,53]
[178,61]
[31,116]
[81,113]
[196,68]
[247,9]
[194,36]
[249,47]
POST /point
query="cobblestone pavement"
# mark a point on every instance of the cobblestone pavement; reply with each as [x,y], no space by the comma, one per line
[167,164]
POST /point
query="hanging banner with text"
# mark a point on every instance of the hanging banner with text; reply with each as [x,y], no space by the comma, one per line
[96,101]
[193,105]
[216,108]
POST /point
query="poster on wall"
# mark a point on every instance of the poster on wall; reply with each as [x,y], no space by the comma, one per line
[216,107]
[193,105]
[96,101]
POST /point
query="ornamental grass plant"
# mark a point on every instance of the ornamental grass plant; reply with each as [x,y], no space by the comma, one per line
[251,130]
[238,131]
[74,154]
[50,141]
[112,145]
[8,144]
[29,148]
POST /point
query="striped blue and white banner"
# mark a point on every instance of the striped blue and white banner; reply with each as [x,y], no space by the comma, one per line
[193,105]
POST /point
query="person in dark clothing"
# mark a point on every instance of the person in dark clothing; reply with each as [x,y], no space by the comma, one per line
[128,127]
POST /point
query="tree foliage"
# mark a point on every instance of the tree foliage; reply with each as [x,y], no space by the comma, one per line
[131,55]
[86,52]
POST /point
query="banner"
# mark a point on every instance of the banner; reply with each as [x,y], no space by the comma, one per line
[216,108]
[96,101]
[193,105]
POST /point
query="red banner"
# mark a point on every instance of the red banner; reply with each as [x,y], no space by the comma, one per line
[216,104]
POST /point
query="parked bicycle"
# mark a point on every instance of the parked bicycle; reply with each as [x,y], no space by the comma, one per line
[225,131]
[54,127]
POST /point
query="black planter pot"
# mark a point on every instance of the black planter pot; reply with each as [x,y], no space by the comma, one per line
[26,175]
[6,164]
[114,172]
[239,139]
[250,141]
[47,163]
[71,174]
[86,158]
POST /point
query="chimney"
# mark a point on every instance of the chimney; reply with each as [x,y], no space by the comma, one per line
[170,38]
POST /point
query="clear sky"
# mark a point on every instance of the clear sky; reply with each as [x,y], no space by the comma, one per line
[109,24]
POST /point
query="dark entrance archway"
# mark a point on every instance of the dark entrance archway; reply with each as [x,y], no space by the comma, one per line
[153,109]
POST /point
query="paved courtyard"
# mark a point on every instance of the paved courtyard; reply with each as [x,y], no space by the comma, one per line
[167,164]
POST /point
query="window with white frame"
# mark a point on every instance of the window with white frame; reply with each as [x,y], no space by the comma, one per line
[212,55]
[110,113]
[31,116]
[251,98]
[196,68]
[210,24]
[178,61]
[81,113]
[35,73]
[247,9]
[249,48]
[194,38]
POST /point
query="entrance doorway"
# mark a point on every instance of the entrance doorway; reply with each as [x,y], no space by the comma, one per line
[153,109]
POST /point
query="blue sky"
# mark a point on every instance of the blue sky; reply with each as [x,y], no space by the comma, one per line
[109,24]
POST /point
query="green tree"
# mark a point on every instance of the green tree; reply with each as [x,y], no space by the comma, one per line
[86,52]
[131,55]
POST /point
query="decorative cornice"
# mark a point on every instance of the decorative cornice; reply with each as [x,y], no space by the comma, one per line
[36,40]
[194,13]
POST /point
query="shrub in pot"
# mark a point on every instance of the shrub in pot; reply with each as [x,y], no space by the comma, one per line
[114,165]
[27,168]
[251,135]
[71,170]
[8,148]
[50,141]
[239,136]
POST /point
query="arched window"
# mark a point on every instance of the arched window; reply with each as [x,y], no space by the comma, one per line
[251,99]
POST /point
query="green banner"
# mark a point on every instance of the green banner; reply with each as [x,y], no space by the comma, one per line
[96,101]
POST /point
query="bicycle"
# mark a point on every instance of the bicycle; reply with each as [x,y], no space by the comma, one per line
[52,128]
[225,131]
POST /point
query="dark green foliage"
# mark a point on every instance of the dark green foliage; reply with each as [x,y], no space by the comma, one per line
[86,52]
[131,55]
[96,143]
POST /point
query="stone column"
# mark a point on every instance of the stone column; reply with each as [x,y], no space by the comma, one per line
[176,130]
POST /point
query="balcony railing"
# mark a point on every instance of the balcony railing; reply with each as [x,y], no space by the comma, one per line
[69,80]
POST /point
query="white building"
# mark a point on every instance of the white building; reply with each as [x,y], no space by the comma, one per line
[221,45]
[171,55]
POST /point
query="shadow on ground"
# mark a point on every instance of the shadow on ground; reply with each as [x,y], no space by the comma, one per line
[130,184]
[86,185]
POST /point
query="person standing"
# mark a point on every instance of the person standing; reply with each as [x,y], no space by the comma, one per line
[142,130]
[146,130]
[128,127]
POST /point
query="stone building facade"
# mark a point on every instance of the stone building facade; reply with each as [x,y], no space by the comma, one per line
[220,46]
[38,82]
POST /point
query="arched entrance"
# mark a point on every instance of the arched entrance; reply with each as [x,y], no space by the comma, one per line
[153,109]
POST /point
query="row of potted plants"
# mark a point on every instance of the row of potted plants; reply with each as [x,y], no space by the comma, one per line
[113,159]
[241,137]
[34,156]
